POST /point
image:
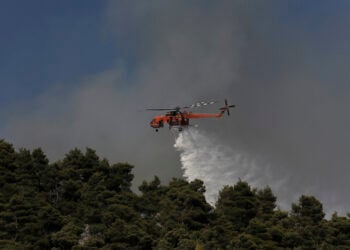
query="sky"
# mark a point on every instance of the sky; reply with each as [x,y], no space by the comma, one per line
[80,74]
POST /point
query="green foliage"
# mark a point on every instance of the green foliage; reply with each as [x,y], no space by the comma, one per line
[83,202]
[309,208]
[184,205]
[7,164]
[267,201]
[340,231]
[238,204]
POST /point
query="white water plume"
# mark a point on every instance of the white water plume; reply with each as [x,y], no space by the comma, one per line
[202,157]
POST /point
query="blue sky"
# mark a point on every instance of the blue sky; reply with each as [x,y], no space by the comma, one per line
[44,43]
[50,42]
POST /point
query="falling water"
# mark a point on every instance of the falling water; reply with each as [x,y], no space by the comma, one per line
[203,157]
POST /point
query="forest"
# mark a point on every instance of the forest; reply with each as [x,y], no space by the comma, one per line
[84,202]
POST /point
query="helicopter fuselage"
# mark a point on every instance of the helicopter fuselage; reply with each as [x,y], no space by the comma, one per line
[173,118]
[180,119]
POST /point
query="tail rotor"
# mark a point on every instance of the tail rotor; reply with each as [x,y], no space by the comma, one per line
[227,107]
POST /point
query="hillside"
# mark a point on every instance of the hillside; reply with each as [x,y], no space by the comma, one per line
[84,202]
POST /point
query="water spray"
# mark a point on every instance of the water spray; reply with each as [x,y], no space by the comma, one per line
[202,157]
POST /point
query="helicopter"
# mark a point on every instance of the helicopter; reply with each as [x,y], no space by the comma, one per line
[179,117]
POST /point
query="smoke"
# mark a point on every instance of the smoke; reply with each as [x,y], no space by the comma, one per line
[203,157]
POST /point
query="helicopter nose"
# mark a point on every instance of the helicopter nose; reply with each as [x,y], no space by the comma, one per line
[154,124]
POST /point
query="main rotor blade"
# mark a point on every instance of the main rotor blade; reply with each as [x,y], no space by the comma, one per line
[195,105]
[199,104]
[160,109]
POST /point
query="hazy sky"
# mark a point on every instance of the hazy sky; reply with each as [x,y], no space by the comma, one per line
[78,74]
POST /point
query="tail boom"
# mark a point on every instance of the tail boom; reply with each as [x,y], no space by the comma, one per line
[194,116]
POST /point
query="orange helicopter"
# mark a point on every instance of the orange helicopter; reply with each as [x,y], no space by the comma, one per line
[181,119]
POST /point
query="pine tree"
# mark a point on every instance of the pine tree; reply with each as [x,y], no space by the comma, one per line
[238,204]
[308,218]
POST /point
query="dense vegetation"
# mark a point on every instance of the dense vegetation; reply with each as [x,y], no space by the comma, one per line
[83,202]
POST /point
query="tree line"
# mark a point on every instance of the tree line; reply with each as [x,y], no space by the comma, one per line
[84,202]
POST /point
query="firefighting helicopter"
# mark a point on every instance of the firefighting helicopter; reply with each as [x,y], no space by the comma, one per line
[179,119]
